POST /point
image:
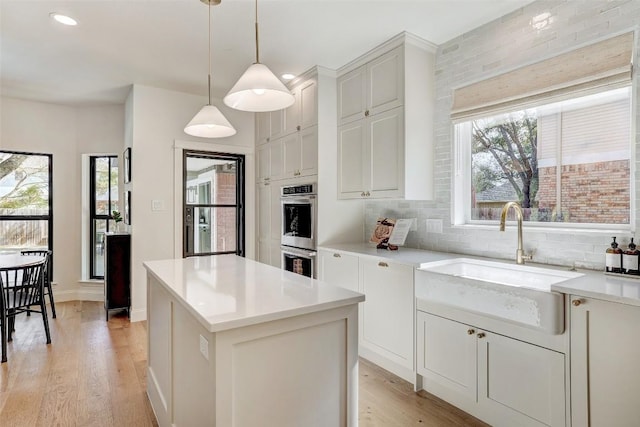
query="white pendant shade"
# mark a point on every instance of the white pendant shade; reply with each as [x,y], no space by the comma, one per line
[209,123]
[259,90]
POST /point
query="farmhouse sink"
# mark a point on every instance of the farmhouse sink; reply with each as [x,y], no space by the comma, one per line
[515,293]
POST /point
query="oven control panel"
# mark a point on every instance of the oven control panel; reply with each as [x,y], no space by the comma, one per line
[296,190]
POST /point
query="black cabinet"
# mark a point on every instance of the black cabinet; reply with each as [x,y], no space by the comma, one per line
[117,272]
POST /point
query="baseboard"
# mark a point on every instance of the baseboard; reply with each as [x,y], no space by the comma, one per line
[78,295]
[138,315]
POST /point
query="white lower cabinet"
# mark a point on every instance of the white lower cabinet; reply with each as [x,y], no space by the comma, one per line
[387,323]
[339,269]
[386,317]
[605,385]
[499,379]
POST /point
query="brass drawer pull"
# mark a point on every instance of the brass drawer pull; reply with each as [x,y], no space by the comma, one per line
[471,331]
[481,335]
[336,255]
[576,302]
[383,264]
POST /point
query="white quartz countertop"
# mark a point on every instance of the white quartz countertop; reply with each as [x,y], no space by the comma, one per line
[594,284]
[226,291]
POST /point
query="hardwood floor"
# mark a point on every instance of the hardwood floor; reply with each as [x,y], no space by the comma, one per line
[93,374]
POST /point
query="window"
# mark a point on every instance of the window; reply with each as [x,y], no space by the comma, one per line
[26,201]
[103,190]
[213,203]
[566,162]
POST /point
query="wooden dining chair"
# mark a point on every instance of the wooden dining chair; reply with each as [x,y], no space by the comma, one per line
[48,275]
[22,289]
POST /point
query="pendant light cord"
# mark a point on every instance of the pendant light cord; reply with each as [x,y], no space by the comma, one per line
[257,43]
[209,79]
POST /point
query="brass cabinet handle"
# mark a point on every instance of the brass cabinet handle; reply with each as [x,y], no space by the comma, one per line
[362,194]
[577,302]
[268,139]
[471,331]
[336,255]
[383,264]
[367,194]
[266,183]
[366,113]
[481,335]
[267,179]
[298,127]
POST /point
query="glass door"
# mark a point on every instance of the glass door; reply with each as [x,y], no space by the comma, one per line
[213,204]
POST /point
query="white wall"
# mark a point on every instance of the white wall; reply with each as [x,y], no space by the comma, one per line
[157,118]
[499,46]
[66,133]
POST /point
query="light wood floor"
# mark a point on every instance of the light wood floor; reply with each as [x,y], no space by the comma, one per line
[93,374]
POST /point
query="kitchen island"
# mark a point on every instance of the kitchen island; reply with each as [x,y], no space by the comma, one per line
[233,342]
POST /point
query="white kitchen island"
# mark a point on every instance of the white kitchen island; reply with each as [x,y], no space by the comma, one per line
[233,342]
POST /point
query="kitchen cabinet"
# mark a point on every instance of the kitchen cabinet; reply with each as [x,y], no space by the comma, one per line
[372,88]
[269,223]
[501,380]
[371,157]
[263,128]
[339,269]
[386,327]
[304,112]
[385,110]
[604,353]
[300,153]
[270,161]
[386,317]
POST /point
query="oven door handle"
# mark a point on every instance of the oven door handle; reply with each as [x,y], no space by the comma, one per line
[298,252]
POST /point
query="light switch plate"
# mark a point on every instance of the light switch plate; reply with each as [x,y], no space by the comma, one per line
[157,205]
[204,347]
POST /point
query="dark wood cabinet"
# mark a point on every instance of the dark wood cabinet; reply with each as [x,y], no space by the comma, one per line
[117,272]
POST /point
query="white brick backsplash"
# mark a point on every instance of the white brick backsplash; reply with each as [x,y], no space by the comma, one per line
[499,46]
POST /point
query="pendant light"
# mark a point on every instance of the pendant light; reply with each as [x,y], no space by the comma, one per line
[209,122]
[258,89]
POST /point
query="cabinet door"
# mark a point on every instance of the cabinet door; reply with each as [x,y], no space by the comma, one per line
[276,213]
[277,124]
[309,151]
[292,114]
[264,162]
[351,160]
[263,128]
[385,79]
[387,313]
[276,159]
[352,101]
[447,358]
[338,269]
[264,211]
[385,151]
[264,252]
[520,383]
[605,350]
[308,112]
[291,154]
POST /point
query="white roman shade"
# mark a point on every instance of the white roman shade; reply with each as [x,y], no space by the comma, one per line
[602,65]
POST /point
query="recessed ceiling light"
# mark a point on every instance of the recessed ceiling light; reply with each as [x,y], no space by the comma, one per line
[541,21]
[63,19]
[287,76]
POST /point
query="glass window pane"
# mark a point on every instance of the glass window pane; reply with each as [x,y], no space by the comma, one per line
[210,181]
[224,229]
[563,162]
[24,184]
[101,180]
[115,194]
[17,235]
[97,245]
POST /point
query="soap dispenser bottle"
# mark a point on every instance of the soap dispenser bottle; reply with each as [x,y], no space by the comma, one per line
[613,261]
[631,260]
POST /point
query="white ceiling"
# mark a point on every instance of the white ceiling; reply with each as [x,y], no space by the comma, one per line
[163,43]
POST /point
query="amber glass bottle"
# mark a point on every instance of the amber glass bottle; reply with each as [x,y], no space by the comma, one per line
[631,260]
[613,259]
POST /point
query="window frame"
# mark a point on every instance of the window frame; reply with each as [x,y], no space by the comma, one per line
[462,177]
[92,209]
[49,216]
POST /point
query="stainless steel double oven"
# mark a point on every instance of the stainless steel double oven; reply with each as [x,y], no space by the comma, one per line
[298,237]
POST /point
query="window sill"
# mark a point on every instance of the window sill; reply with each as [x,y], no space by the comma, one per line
[545,229]
[93,282]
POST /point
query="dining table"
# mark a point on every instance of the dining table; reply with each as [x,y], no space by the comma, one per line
[18,261]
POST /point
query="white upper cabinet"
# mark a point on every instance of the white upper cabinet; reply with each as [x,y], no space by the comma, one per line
[371,88]
[385,122]
[263,128]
